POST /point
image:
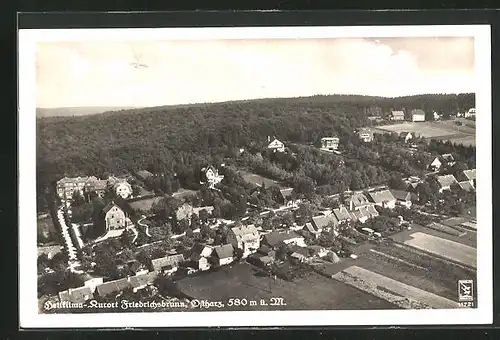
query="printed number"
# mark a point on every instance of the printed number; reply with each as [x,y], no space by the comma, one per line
[237,302]
[277,302]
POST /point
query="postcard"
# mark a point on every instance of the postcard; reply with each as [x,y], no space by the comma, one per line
[255,176]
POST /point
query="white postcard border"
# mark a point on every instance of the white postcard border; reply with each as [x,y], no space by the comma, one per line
[28,311]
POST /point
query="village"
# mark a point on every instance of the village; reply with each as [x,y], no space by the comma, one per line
[120,237]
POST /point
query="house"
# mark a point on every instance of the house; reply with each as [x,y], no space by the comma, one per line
[466,185]
[366,135]
[99,187]
[342,214]
[245,237]
[169,263]
[471,176]
[445,182]
[76,295]
[383,198]
[436,115]
[275,238]
[260,260]
[265,250]
[448,159]
[223,255]
[397,115]
[330,143]
[361,215]
[114,217]
[144,175]
[358,201]
[402,197]
[141,281]
[66,186]
[325,222]
[137,268]
[436,164]
[300,254]
[407,136]
[209,209]
[417,115]
[286,197]
[210,176]
[200,254]
[276,146]
[122,189]
[310,228]
[471,113]
[113,287]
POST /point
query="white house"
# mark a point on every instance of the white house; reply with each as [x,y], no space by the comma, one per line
[200,254]
[212,177]
[402,197]
[114,217]
[276,146]
[275,238]
[436,164]
[330,143]
[418,115]
[397,115]
[471,113]
[366,135]
[246,238]
[122,189]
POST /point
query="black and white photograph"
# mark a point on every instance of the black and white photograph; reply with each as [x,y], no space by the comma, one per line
[255,176]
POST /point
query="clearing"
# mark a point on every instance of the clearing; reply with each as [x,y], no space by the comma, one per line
[445,248]
[258,180]
[46,231]
[403,295]
[144,204]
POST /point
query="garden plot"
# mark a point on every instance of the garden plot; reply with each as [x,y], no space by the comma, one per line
[447,249]
[455,231]
[423,129]
[400,294]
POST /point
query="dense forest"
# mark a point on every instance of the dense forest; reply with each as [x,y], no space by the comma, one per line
[179,139]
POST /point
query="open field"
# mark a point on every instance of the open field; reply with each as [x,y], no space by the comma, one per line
[393,291]
[144,204]
[443,130]
[415,268]
[469,239]
[448,249]
[311,292]
[257,179]
[184,193]
[446,229]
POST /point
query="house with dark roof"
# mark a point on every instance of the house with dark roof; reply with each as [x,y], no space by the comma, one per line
[466,186]
[417,115]
[402,197]
[76,295]
[397,115]
[169,263]
[287,197]
[223,254]
[275,238]
[300,254]
[342,214]
[445,182]
[383,198]
[311,229]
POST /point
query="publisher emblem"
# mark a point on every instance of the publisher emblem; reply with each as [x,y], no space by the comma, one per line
[465,290]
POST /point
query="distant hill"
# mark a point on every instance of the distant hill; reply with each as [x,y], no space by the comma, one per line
[76,111]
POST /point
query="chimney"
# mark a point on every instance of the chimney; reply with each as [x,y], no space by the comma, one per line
[269,139]
[350,204]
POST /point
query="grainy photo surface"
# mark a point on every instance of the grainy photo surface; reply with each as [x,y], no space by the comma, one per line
[246,173]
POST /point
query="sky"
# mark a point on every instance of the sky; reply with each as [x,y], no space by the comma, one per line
[97,73]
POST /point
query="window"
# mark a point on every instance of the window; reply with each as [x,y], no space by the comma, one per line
[112,216]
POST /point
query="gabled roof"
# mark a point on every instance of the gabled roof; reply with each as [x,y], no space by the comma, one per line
[144,174]
[397,113]
[224,251]
[286,193]
[448,157]
[361,213]
[465,185]
[417,112]
[342,214]
[446,180]
[310,228]
[381,196]
[141,280]
[76,295]
[359,200]
[198,249]
[170,260]
[109,206]
[275,144]
[245,232]
[112,286]
[322,221]
[372,211]
[274,238]
[470,174]
[401,195]
[330,138]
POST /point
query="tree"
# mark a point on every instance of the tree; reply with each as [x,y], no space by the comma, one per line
[238,254]
[105,263]
[77,198]
[282,252]
[396,182]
